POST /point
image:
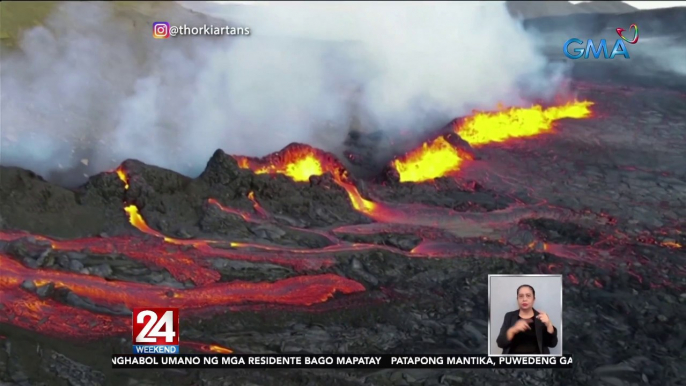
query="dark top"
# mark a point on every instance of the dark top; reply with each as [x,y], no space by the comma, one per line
[543,339]
[525,342]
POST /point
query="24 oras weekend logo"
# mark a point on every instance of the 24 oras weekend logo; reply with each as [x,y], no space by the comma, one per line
[619,47]
[155,330]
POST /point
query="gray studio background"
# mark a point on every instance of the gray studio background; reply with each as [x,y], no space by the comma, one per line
[503,299]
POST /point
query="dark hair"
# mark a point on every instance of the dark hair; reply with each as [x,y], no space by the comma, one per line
[526,285]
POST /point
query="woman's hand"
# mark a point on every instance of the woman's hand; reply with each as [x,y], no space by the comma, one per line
[543,317]
[520,326]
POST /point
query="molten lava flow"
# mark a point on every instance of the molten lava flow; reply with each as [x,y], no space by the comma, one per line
[202,249]
[434,159]
[249,217]
[256,205]
[296,161]
[263,214]
[671,244]
[183,263]
[288,160]
[208,348]
[26,310]
[358,202]
[300,162]
[487,127]
[137,221]
[438,158]
[298,290]
[123,177]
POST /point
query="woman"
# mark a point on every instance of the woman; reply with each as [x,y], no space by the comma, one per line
[527,331]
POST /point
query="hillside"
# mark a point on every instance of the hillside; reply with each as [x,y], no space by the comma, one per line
[18,16]
[536,9]
[611,7]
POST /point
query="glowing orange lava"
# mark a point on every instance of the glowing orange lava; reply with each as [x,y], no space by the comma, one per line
[177,262]
[298,290]
[122,176]
[137,221]
[486,127]
[671,244]
[220,349]
[296,161]
[434,159]
[48,316]
[245,215]
[209,348]
[256,205]
[300,162]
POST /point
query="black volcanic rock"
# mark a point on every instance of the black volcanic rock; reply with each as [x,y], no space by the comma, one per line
[442,192]
[102,189]
[170,202]
[27,201]
[221,169]
[318,201]
[554,231]
[152,178]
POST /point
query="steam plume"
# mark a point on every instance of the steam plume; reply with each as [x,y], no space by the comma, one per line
[85,87]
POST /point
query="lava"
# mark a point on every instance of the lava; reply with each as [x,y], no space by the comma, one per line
[495,225]
[487,127]
[121,173]
[433,159]
[671,244]
[445,234]
[298,290]
[297,161]
[300,162]
[137,221]
[208,348]
[202,247]
[30,312]
[243,214]
[183,263]
[439,158]
[189,260]
[256,205]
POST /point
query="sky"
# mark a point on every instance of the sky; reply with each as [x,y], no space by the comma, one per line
[649,4]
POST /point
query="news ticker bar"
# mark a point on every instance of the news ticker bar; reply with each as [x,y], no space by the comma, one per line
[326,361]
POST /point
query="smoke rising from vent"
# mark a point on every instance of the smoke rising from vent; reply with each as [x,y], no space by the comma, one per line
[91,88]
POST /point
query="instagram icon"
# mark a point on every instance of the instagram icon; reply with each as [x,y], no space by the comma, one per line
[160,30]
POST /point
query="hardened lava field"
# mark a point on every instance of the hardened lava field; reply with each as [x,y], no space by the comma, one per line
[292,252]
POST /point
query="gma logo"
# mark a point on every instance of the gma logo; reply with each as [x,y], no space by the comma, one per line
[585,52]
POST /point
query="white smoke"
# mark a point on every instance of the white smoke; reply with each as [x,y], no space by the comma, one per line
[88,85]
[665,54]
